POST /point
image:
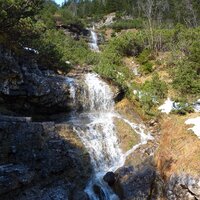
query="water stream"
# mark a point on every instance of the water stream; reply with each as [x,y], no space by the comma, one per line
[95,127]
[94,41]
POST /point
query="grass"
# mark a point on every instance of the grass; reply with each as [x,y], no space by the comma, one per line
[179,149]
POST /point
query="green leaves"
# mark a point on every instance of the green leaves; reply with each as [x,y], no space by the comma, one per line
[17,18]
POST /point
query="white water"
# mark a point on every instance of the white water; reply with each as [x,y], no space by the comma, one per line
[94,41]
[96,129]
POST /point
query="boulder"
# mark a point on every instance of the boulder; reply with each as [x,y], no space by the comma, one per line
[110,178]
[135,184]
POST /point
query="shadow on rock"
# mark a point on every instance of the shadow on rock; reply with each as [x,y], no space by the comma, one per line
[41,160]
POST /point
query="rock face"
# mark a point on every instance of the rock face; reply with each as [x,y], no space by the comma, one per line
[142,183]
[74,30]
[24,87]
[183,187]
[41,160]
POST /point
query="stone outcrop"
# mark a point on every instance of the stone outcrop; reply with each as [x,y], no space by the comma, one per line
[41,160]
[138,183]
[74,30]
[183,187]
[26,88]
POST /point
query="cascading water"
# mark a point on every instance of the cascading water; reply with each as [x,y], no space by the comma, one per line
[96,129]
[94,41]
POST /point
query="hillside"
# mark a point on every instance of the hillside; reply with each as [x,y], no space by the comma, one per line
[100,100]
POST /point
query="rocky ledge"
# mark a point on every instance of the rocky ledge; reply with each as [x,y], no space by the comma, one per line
[41,160]
[27,88]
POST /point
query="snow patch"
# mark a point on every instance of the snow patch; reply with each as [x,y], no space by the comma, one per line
[167,107]
[31,50]
[196,127]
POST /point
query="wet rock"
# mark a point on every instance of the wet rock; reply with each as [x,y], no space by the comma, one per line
[183,187]
[37,154]
[99,192]
[75,30]
[80,195]
[12,176]
[59,190]
[110,178]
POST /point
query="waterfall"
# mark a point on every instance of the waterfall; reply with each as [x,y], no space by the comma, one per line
[95,127]
[94,41]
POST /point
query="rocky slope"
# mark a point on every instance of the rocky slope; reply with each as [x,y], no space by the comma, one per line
[41,160]
[25,87]
[38,160]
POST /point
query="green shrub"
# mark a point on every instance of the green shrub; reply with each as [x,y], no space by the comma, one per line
[186,79]
[127,24]
[155,87]
[55,48]
[144,56]
[146,68]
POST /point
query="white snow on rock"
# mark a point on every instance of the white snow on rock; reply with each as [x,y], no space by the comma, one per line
[31,50]
[196,127]
[167,106]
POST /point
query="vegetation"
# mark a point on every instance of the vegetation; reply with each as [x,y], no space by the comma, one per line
[174,29]
[127,24]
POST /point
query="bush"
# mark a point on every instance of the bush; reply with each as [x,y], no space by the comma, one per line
[127,24]
[55,48]
[146,68]
[143,59]
[155,87]
[111,65]
[186,79]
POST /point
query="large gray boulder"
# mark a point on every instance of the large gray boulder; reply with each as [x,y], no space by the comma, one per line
[133,184]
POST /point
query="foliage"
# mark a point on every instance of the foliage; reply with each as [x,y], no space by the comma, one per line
[156,87]
[152,92]
[47,14]
[127,24]
[168,12]
[183,109]
[17,18]
[56,48]
[111,65]
[143,59]
[186,79]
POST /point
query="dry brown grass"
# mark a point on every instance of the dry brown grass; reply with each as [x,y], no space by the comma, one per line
[179,150]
